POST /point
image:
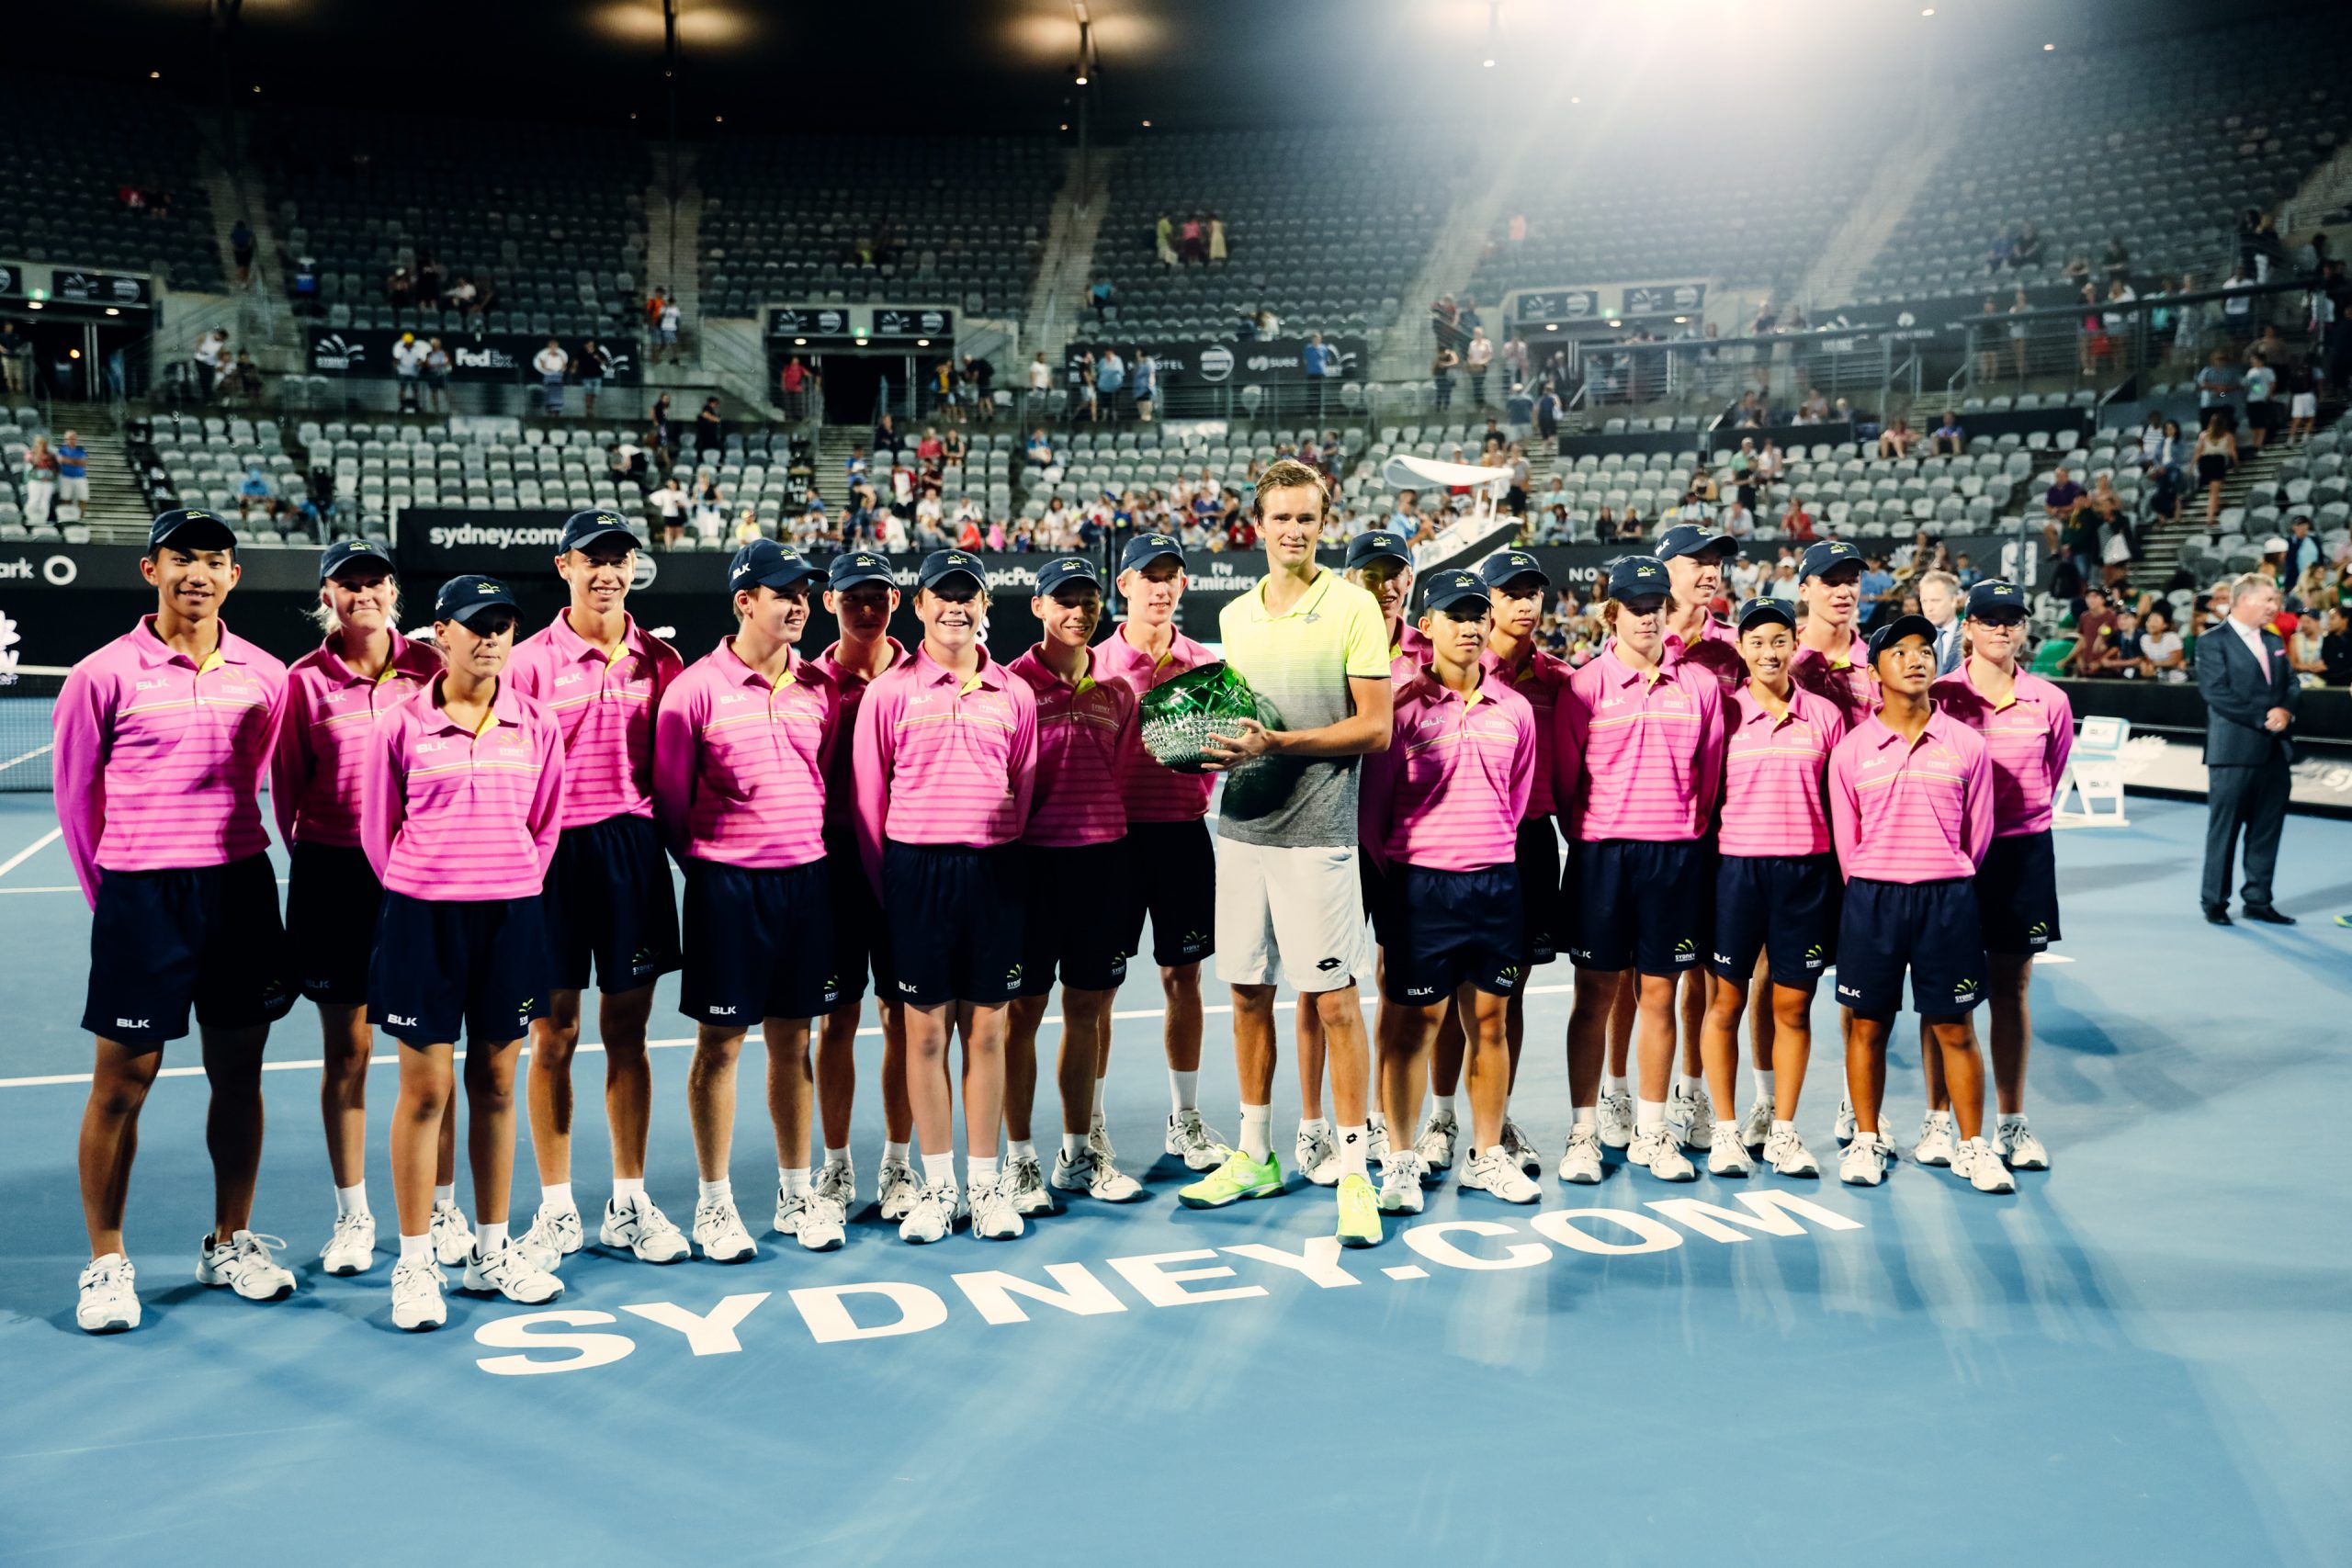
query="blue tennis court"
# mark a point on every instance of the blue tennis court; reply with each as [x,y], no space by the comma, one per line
[2142,1357]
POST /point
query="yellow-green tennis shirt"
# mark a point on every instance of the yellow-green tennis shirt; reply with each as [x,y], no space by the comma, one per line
[1303,660]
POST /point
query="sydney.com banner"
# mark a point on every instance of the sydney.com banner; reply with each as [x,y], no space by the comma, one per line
[497,356]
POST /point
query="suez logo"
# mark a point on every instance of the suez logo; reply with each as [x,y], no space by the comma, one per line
[537,1343]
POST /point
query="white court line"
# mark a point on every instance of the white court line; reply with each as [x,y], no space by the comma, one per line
[21,856]
[35,752]
[381,1057]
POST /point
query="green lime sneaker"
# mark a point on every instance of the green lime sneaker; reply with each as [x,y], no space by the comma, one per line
[1239,1176]
[1358,1212]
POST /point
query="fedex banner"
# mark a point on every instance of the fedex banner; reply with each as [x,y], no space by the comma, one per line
[497,356]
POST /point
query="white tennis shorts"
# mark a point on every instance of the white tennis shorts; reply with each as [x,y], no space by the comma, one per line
[1298,910]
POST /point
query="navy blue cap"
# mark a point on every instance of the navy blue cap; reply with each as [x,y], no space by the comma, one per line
[582,529]
[853,567]
[1689,540]
[1376,543]
[941,564]
[1631,577]
[188,528]
[463,598]
[1762,610]
[1146,548]
[1895,630]
[763,563]
[1504,565]
[343,552]
[1826,556]
[1994,595]
[1063,569]
[1448,591]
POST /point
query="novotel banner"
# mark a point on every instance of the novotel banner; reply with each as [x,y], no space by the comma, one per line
[1276,362]
[496,356]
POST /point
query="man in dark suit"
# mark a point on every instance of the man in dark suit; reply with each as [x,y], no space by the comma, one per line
[1939,594]
[2251,696]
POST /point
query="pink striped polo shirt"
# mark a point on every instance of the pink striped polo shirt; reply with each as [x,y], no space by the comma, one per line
[1155,794]
[841,785]
[1773,770]
[1911,811]
[1716,650]
[2030,736]
[1639,757]
[1845,680]
[603,708]
[330,724]
[1539,677]
[942,763]
[738,762]
[1449,792]
[458,816]
[159,757]
[1085,735]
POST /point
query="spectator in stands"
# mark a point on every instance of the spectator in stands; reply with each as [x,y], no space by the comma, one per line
[1632,526]
[437,376]
[1039,451]
[710,431]
[400,289]
[2237,305]
[2303,552]
[2026,249]
[1736,520]
[2335,647]
[1519,408]
[1896,440]
[1950,439]
[244,380]
[1216,240]
[659,433]
[2094,651]
[1442,376]
[1514,357]
[1547,412]
[2216,455]
[2262,407]
[1193,240]
[73,479]
[2116,261]
[1109,380]
[1145,387]
[629,466]
[2163,656]
[665,330]
[1163,240]
[254,492]
[1445,322]
[1269,327]
[886,435]
[710,509]
[2058,504]
[590,363]
[672,501]
[2303,647]
[408,369]
[2077,269]
[319,503]
[241,250]
[2303,394]
[462,295]
[792,382]
[1088,403]
[1797,521]
[15,353]
[1877,584]
[552,363]
[747,528]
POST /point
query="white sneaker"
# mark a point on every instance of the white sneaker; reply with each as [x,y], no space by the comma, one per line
[1975,1160]
[1786,1154]
[644,1229]
[820,1222]
[837,1179]
[1865,1160]
[1844,1127]
[899,1187]
[510,1272]
[1729,1156]
[1024,1184]
[352,1249]
[993,1216]
[109,1303]
[2016,1146]
[1661,1151]
[1756,1127]
[718,1231]
[1936,1144]
[1318,1155]
[1691,1118]
[1580,1161]
[932,1214]
[1376,1139]
[1095,1176]
[453,1239]
[246,1264]
[1191,1140]
[1098,1138]
[1435,1146]
[555,1234]
[1497,1171]
[416,1296]
[1616,1119]
[1515,1144]
[1400,1183]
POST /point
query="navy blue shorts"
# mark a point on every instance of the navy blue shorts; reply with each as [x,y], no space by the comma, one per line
[1784,906]
[2017,895]
[1442,929]
[331,899]
[861,937]
[759,943]
[1633,903]
[1078,917]
[202,936]
[954,917]
[609,898]
[479,963]
[1176,863]
[1928,928]
[1538,859]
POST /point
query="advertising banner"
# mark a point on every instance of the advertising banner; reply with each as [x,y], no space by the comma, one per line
[1277,363]
[496,356]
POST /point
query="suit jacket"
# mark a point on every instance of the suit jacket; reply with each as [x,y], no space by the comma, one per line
[1948,648]
[2237,695]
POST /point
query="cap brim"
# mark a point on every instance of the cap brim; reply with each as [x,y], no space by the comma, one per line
[357,557]
[1138,563]
[600,533]
[953,572]
[200,533]
[464,614]
[1460,601]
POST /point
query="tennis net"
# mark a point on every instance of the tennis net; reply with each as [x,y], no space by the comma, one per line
[27,698]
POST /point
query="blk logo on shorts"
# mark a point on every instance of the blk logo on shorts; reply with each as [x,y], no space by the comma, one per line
[1846,990]
[403,1023]
[132,1023]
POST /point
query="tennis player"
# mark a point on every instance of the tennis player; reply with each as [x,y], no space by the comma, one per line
[861,594]
[461,805]
[1640,763]
[1776,883]
[1075,846]
[161,739]
[334,695]
[1440,810]
[1288,893]
[1172,858]
[738,788]
[1911,812]
[945,766]
[600,676]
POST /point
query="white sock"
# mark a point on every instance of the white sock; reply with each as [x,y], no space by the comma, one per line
[450,1194]
[1073,1146]
[895,1151]
[837,1156]
[1257,1131]
[1586,1116]
[1183,1090]
[352,1200]
[1726,1128]
[1685,1087]
[1376,1119]
[1649,1115]
[487,1237]
[626,1187]
[939,1170]
[790,1180]
[416,1249]
[1780,1126]
[1027,1148]
[1355,1142]
[980,1168]
[1098,1097]
[1764,1086]
[722,1188]
[1941,1117]
[557,1197]
[1444,1104]
[2007,1120]
[1617,1083]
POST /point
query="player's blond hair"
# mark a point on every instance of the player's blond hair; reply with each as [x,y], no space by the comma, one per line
[1286,473]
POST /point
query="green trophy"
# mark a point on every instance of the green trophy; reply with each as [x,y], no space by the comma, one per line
[1178,716]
